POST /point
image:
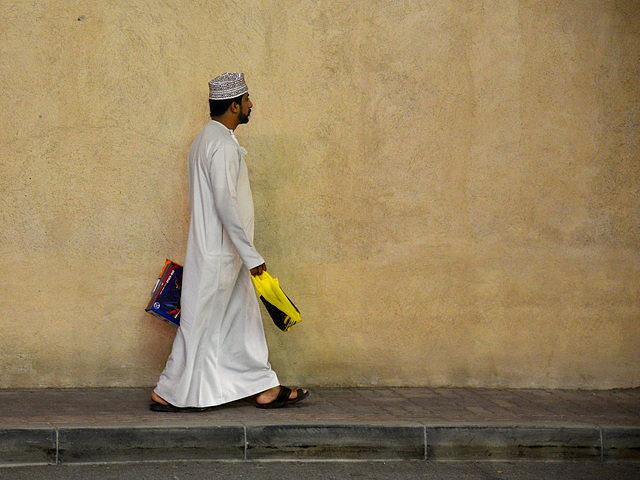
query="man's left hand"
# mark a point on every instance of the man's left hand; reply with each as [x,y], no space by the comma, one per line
[259,269]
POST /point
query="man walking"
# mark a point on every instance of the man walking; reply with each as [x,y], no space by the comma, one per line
[220,353]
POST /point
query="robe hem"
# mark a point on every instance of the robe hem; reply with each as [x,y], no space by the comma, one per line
[222,401]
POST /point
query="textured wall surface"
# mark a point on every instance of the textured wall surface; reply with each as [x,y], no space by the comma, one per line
[448,190]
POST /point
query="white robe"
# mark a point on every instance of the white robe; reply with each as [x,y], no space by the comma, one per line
[220,353]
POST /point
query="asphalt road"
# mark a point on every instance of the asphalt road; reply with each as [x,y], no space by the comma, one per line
[523,470]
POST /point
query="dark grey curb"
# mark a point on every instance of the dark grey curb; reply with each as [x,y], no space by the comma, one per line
[143,444]
[332,441]
[621,443]
[462,443]
[383,441]
[37,445]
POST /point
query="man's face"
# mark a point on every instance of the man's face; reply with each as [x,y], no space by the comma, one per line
[245,109]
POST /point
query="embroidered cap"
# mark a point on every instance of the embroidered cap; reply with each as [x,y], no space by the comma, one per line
[226,86]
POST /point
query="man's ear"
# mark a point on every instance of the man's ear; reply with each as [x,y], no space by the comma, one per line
[234,107]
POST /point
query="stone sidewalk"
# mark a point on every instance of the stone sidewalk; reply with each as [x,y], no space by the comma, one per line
[53,426]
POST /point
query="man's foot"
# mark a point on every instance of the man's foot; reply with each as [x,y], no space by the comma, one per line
[158,399]
[159,404]
[280,396]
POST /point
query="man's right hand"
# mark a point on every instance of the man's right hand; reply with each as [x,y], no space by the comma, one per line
[259,269]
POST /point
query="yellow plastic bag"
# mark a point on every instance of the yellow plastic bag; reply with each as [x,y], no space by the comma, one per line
[282,311]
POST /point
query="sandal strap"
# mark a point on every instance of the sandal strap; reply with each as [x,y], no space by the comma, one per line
[283,396]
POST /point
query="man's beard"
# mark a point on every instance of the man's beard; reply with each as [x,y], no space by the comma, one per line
[242,118]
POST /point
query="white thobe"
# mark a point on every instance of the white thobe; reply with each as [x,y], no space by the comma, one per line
[220,353]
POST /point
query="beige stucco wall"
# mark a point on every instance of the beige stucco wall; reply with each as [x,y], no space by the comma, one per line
[448,190]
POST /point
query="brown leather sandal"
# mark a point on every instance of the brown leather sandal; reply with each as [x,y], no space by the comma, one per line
[282,400]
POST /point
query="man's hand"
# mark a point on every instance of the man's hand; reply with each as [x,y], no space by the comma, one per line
[259,269]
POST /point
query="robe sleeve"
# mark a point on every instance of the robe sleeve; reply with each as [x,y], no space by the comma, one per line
[225,167]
